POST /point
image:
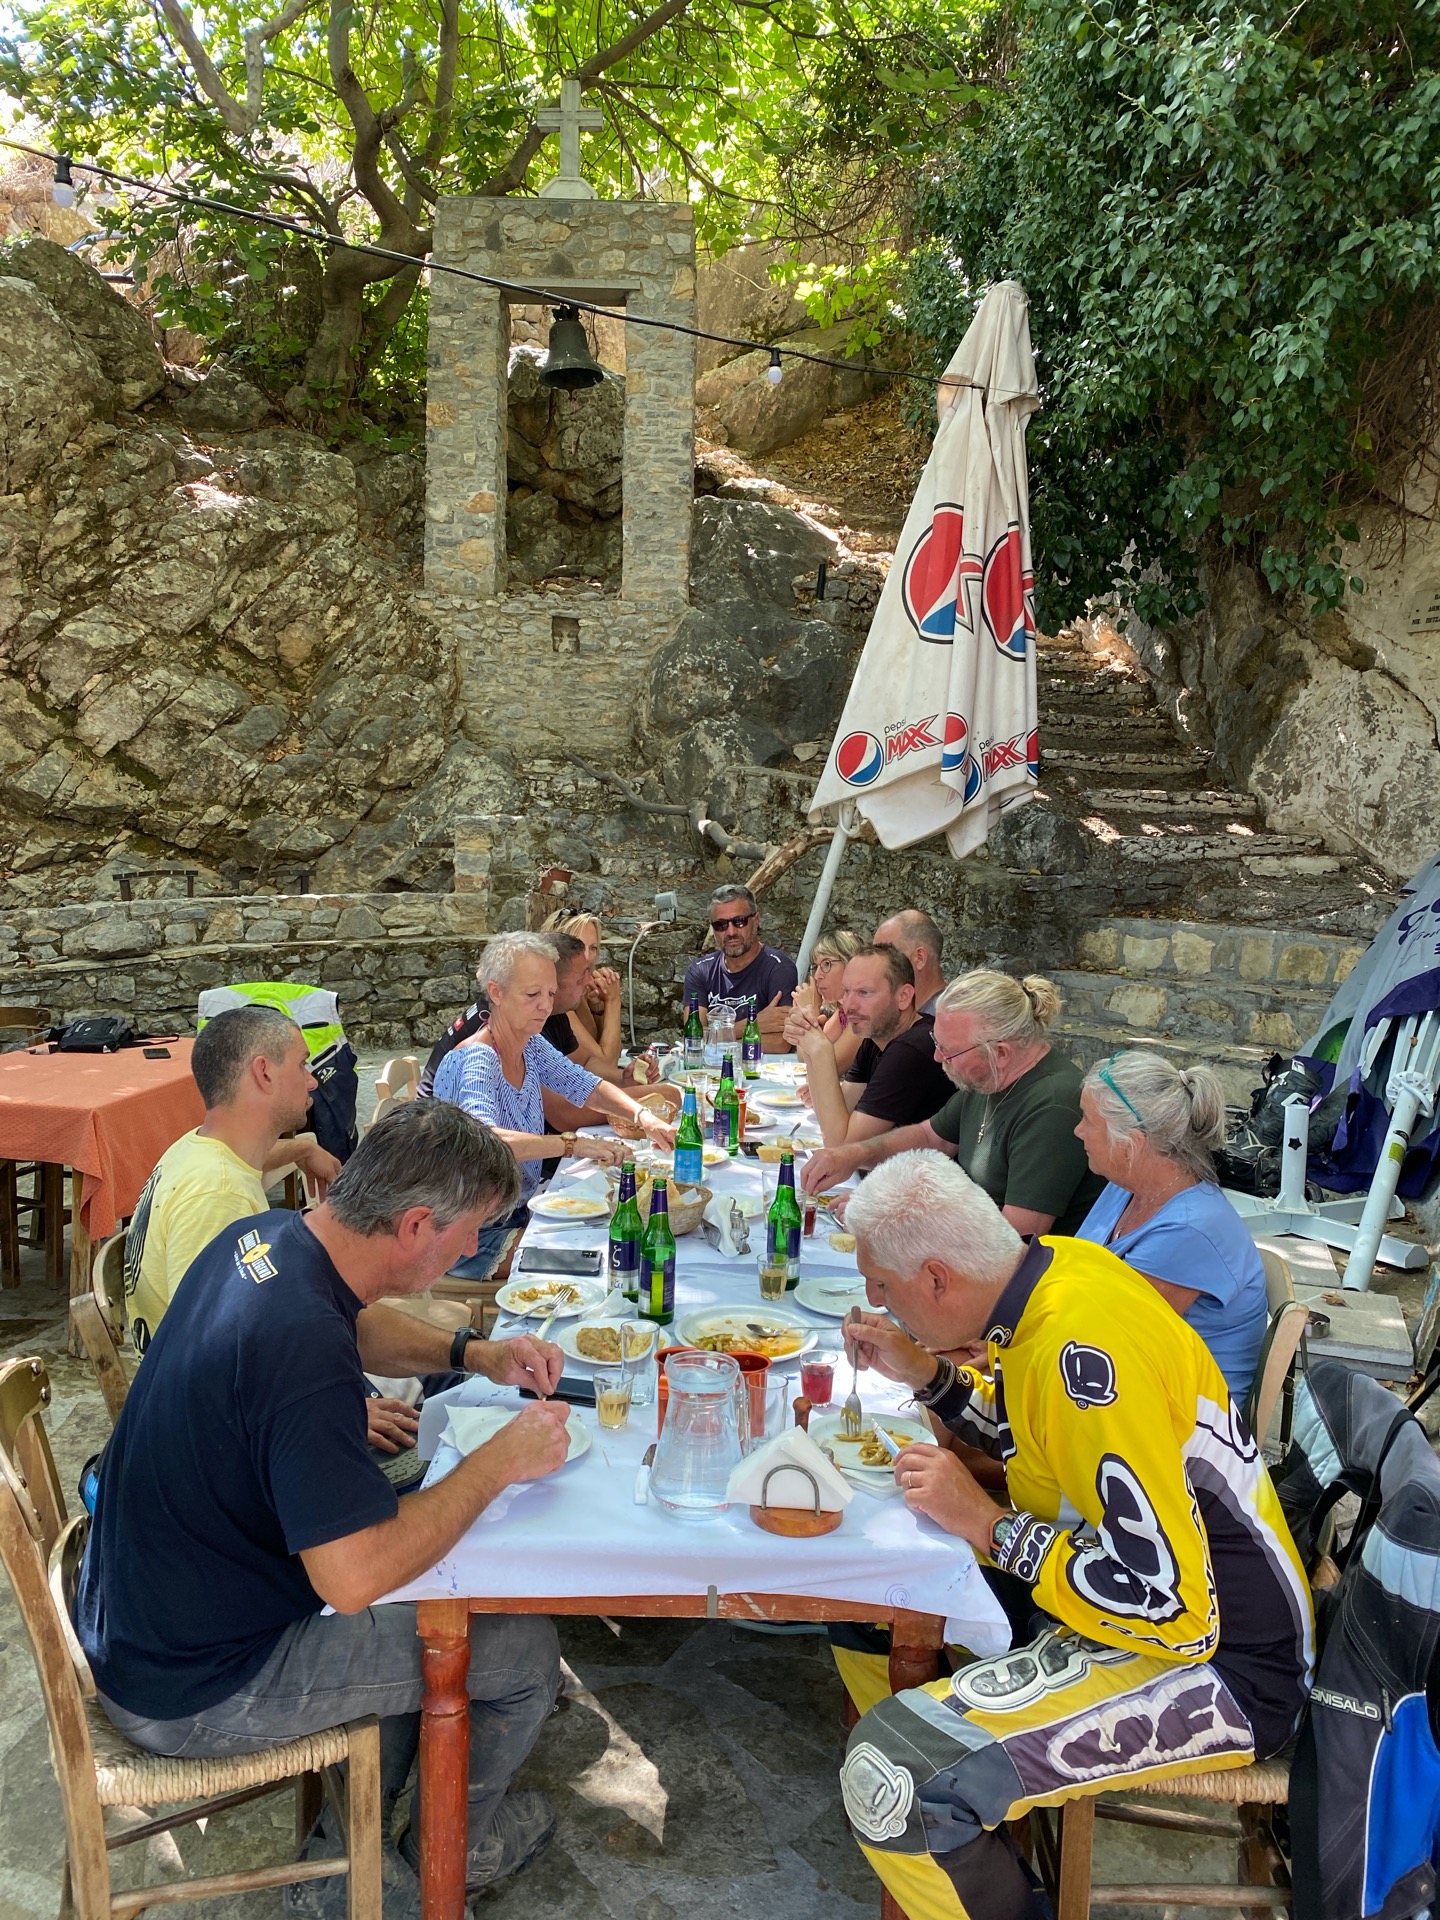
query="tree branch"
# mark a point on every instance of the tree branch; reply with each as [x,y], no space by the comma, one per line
[219,95]
[397,229]
[256,40]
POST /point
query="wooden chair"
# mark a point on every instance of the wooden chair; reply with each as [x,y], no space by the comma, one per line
[96,1767]
[290,1177]
[32,1194]
[398,1080]
[1272,1389]
[98,1317]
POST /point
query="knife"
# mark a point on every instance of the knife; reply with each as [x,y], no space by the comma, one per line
[642,1477]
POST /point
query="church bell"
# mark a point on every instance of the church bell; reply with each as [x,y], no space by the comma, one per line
[568,361]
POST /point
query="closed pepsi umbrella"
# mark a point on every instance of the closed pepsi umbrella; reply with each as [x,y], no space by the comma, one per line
[939,730]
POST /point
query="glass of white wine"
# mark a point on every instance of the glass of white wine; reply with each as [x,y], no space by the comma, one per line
[613,1389]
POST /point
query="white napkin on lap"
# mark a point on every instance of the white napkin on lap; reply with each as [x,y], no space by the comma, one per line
[793,1449]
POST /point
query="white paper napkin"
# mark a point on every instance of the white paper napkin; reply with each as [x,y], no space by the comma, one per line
[792,1449]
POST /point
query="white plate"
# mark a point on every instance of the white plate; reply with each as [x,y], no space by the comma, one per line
[470,1427]
[570,1206]
[825,1429]
[776,1097]
[545,1286]
[565,1339]
[831,1296]
[691,1327]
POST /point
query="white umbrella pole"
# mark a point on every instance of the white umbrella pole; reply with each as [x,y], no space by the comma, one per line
[845,831]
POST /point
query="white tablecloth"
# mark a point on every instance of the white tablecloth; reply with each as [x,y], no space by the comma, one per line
[580,1533]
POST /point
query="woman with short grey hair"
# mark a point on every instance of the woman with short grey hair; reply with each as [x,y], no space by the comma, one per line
[1149,1128]
[501,1074]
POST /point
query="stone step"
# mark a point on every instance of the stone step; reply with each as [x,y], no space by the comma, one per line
[1177,843]
[1194,800]
[1268,1015]
[1180,764]
[1201,950]
[1108,731]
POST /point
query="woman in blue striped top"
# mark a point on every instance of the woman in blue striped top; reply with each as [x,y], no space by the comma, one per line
[501,1074]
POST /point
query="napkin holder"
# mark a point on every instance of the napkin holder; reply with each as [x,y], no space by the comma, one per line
[796,1523]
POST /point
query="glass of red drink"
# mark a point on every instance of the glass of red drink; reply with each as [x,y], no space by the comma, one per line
[817,1378]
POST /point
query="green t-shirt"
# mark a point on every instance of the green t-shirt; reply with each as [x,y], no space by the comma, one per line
[1027,1155]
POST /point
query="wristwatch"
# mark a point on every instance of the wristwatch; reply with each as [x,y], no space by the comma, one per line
[570,1137]
[463,1337]
[1001,1531]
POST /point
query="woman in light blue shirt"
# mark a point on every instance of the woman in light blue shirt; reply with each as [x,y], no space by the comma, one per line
[1149,1128]
[500,1076]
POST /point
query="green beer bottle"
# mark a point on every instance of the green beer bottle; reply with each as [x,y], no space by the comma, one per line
[689,1144]
[752,1045]
[626,1228]
[657,1259]
[783,1223]
[727,1110]
[693,1036]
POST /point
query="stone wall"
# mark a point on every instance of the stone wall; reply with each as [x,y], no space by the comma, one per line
[401,964]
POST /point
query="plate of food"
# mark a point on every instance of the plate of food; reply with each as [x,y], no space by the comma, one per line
[833,1295]
[570,1207]
[866,1459]
[596,1343]
[773,1331]
[470,1427]
[527,1297]
[776,1097]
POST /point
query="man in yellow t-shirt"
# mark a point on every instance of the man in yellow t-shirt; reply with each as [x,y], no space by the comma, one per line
[252,1068]
[1172,1614]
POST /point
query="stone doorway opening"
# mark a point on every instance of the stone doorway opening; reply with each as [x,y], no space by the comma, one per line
[564,460]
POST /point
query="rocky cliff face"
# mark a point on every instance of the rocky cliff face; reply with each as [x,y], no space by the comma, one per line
[1331,721]
[206,647]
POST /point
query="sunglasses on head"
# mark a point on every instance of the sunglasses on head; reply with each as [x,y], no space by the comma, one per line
[736,921]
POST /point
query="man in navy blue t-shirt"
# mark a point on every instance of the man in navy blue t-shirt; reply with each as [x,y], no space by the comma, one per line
[238,1497]
[742,968]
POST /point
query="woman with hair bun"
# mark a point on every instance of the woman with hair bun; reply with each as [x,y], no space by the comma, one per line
[1150,1128]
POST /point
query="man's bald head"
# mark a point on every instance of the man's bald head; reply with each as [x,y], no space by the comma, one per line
[921,941]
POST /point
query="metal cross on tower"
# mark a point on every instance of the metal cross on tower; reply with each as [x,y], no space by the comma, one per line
[569,119]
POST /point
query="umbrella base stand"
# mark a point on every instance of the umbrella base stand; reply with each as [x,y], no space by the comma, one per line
[1335,1223]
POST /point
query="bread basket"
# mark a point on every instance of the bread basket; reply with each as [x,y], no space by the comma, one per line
[652,1103]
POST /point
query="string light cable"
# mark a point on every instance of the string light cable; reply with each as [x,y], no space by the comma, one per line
[536,296]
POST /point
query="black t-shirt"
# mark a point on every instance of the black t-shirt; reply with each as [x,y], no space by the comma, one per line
[558,1030]
[904,1082]
[241,1443]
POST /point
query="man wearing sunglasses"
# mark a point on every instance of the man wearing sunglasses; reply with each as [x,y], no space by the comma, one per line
[741,968]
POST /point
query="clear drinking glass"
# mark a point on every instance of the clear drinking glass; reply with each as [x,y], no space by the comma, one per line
[773,1274]
[613,1388]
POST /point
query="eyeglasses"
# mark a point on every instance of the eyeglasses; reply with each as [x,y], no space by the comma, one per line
[1124,1101]
[736,921]
[960,1052]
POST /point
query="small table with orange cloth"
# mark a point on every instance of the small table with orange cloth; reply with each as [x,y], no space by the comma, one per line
[106,1116]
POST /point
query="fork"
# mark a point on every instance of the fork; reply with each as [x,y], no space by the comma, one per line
[566,1297]
[852,1414]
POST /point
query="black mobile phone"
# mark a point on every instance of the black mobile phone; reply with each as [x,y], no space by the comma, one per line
[157,1053]
[578,1260]
[575,1393]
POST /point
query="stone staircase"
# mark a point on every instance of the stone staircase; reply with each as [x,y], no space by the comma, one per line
[1233,938]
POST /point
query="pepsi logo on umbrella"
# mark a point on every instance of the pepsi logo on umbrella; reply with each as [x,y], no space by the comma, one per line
[859,759]
[1008,596]
[935,574]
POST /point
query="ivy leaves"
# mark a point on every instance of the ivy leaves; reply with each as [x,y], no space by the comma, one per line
[1224,214]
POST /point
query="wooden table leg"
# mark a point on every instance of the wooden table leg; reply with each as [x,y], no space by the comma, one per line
[915,1643]
[444,1629]
[79,1253]
[52,1189]
[9,1225]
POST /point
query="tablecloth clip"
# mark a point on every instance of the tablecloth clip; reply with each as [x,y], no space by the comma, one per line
[789,1466]
[712,1603]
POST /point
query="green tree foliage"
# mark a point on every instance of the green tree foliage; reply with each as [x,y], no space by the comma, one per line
[354,116]
[1226,219]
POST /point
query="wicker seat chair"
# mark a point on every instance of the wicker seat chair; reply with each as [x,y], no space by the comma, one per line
[97,1767]
[99,1320]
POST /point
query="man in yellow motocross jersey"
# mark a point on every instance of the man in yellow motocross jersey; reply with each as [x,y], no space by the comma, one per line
[1139,1515]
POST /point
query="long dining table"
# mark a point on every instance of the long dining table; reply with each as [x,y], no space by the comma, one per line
[579,1542]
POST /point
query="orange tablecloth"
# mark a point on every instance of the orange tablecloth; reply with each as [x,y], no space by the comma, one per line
[111,1115]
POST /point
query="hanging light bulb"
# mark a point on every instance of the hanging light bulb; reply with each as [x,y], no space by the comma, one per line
[774,373]
[63,190]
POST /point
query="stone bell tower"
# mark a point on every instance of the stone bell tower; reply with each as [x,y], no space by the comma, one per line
[624,254]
